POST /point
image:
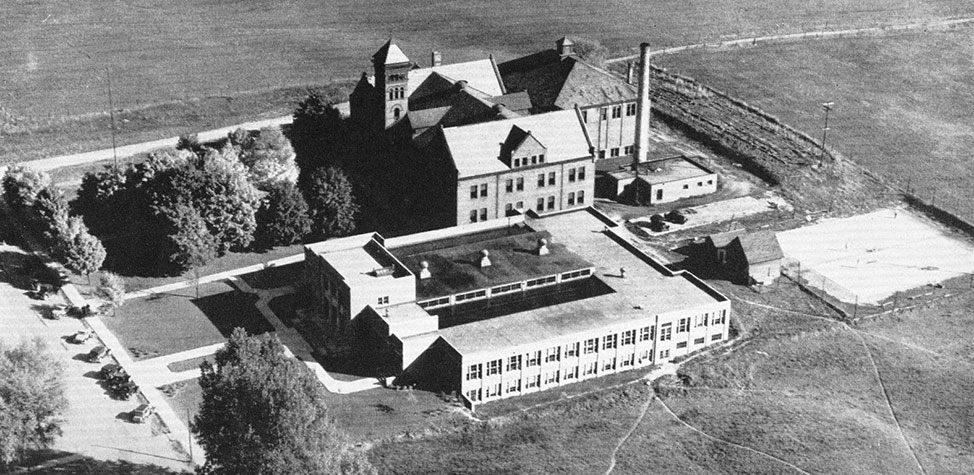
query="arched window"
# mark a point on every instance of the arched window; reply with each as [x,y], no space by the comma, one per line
[395,113]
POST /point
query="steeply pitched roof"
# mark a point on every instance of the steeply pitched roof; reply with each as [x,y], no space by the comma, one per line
[725,238]
[475,149]
[760,246]
[554,81]
[516,101]
[390,53]
[480,74]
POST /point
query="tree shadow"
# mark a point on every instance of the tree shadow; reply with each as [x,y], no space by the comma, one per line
[91,466]
[229,310]
[22,270]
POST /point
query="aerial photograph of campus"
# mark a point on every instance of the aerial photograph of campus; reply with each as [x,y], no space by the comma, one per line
[486,237]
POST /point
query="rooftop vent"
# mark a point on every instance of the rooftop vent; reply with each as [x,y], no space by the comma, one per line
[565,47]
[484,258]
[424,270]
[435,58]
[543,247]
[383,271]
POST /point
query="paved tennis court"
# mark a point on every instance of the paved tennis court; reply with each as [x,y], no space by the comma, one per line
[877,254]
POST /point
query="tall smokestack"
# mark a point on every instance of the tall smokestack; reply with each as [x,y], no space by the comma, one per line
[642,108]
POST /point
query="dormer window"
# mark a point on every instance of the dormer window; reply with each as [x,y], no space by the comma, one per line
[522,144]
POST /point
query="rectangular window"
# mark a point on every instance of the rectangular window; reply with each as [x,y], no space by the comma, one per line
[571,174]
[509,185]
[384,300]
[493,367]
[603,113]
[576,274]
[700,320]
[520,184]
[699,341]
[591,346]
[581,173]
[473,191]
[610,341]
[629,149]
[534,359]
[681,344]
[571,350]
[541,158]
[473,394]
[551,202]
[666,332]
[473,216]
[514,386]
[686,187]
[541,180]
[614,152]
[493,390]
[683,325]
[503,289]
[629,337]
[517,162]
[540,204]
[514,363]
[551,378]
[646,333]
[609,364]
[628,360]
[710,182]
[663,354]
[508,209]
[616,112]
[699,183]
[571,198]
[533,381]
[601,153]
[552,354]
[483,214]
[631,109]
[551,178]
[473,371]
[581,197]
[519,205]
[590,368]
[483,190]
[644,356]
[534,159]
[716,337]
[571,373]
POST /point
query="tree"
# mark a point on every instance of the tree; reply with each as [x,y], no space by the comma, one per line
[50,215]
[21,185]
[591,51]
[31,399]
[78,250]
[191,244]
[317,133]
[283,216]
[332,205]
[264,413]
[111,286]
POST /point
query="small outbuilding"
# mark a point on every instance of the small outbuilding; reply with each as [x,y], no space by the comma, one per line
[754,258]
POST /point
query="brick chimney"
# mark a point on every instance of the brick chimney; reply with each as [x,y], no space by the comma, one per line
[630,72]
[643,108]
[436,58]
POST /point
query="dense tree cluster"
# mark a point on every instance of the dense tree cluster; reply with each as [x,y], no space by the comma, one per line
[31,400]
[43,207]
[264,413]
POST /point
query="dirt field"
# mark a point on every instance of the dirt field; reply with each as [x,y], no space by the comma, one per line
[880,253]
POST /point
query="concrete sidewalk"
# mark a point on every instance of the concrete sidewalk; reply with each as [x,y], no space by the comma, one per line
[214,277]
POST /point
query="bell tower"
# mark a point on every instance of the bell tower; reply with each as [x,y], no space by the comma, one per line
[391,78]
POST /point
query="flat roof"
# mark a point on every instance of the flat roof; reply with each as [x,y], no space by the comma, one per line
[665,171]
[646,291]
[454,263]
[359,259]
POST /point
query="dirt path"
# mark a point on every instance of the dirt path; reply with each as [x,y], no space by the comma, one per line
[816,35]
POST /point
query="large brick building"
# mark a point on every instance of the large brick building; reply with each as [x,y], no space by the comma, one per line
[511,306]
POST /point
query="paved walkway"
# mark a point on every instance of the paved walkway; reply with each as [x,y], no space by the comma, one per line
[214,277]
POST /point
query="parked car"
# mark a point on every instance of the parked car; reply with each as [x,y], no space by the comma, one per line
[80,337]
[97,354]
[110,370]
[121,386]
[657,223]
[58,313]
[676,216]
[80,312]
[142,413]
[40,290]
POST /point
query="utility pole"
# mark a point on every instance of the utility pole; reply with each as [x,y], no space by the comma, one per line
[827,106]
[111,114]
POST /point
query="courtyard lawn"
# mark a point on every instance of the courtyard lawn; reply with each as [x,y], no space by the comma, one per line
[184,397]
[168,323]
[901,103]
[276,276]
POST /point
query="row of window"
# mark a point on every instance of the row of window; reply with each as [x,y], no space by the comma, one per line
[397,93]
[517,184]
[535,159]
[616,112]
[501,289]
[699,183]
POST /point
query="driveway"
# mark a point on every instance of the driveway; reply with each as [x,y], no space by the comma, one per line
[96,425]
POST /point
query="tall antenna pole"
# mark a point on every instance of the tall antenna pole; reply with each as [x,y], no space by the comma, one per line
[825,130]
[111,113]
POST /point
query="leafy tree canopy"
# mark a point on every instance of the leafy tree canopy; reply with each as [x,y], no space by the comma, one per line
[77,249]
[333,208]
[264,413]
[283,216]
[21,185]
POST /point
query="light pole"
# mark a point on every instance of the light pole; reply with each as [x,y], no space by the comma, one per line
[827,106]
[111,114]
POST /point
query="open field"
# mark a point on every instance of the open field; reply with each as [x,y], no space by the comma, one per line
[57,56]
[875,255]
[901,103]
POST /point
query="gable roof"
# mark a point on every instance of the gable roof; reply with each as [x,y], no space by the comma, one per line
[760,246]
[725,238]
[475,149]
[390,53]
[480,74]
[554,81]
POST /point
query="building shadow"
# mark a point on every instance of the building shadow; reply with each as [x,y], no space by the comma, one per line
[229,310]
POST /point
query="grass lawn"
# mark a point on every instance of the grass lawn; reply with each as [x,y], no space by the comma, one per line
[385,413]
[198,58]
[185,402]
[172,322]
[190,364]
[227,262]
[277,276]
[897,100]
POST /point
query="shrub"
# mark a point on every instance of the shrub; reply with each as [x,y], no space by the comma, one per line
[21,185]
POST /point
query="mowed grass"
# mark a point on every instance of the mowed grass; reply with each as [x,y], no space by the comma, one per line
[56,57]
[168,323]
[902,103]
